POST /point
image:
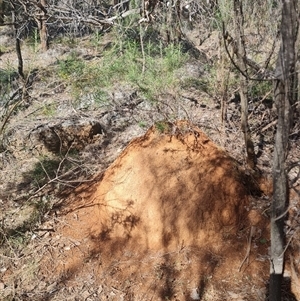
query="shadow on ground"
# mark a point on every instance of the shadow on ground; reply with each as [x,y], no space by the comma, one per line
[169,219]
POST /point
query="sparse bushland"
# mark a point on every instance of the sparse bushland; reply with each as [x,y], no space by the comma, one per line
[89,68]
[149,68]
[138,55]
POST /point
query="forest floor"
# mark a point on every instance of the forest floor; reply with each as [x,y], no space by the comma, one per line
[136,206]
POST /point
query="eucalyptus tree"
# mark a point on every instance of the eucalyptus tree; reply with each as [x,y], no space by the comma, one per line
[285,99]
[278,67]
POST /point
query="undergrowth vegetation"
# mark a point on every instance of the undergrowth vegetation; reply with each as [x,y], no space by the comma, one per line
[130,75]
[150,68]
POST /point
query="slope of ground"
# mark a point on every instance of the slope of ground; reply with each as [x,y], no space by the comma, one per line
[169,220]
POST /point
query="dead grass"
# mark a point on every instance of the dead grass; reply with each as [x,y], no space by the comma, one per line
[51,254]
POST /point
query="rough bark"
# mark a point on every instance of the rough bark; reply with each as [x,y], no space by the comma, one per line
[43,26]
[284,99]
[241,62]
[1,12]
[18,45]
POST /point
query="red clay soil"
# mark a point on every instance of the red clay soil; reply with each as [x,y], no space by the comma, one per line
[169,220]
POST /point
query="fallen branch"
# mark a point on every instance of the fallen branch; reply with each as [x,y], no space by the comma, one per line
[246,258]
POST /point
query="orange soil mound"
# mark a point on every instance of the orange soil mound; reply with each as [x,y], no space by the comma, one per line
[173,206]
[164,192]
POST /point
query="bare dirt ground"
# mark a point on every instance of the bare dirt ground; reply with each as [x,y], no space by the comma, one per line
[169,220]
[172,215]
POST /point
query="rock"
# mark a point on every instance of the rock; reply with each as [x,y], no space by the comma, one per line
[85,295]
[74,133]
[194,294]
[2,286]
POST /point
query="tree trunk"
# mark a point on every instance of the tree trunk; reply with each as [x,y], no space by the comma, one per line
[280,191]
[241,62]
[18,46]
[1,12]
[43,26]
[283,96]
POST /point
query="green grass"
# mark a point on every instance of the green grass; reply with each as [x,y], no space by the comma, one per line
[43,171]
[162,126]
[152,72]
[196,83]
[33,40]
[49,110]
[260,89]
[7,76]
[96,39]
[100,97]
[72,68]
[143,124]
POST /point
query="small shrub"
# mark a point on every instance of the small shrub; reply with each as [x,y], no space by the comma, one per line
[150,68]
[43,171]
[100,97]
[71,68]
[173,58]
[162,126]
[7,75]
[196,83]
[142,124]
[260,89]
[96,39]
[49,110]
[33,40]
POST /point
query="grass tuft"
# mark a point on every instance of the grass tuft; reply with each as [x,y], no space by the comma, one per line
[151,70]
